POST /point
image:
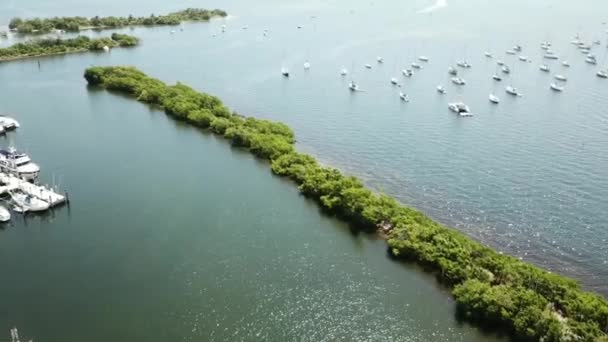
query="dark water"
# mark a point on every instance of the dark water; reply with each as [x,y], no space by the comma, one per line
[174,235]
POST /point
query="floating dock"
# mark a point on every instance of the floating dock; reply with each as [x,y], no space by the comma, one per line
[43,193]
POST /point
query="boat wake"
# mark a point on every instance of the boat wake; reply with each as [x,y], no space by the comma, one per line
[438,5]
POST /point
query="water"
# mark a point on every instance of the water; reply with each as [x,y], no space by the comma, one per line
[527,177]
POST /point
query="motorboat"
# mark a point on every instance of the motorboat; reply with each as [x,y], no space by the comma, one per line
[458,81]
[499,62]
[494,99]
[560,77]
[463,64]
[380,59]
[343,72]
[19,164]
[556,87]
[394,81]
[407,72]
[368,66]
[353,86]
[566,64]
[505,69]
[511,52]
[5,215]
[416,65]
[423,58]
[452,71]
[496,78]
[591,59]
[306,65]
[488,54]
[460,108]
[523,58]
[404,97]
[602,74]
[25,202]
[544,67]
[512,91]
[285,72]
[441,89]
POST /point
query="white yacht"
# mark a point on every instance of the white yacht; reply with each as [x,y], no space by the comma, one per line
[494,99]
[488,54]
[380,59]
[423,58]
[343,72]
[512,91]
[404,97]
[460,108]
[452,71]
[353,86]
[566,64]
[499,62]
[545,68]
[556,87]
[394,81]
[5,215]
[306,65]
[463,64]
[458,81]
[441,89]
[496,78]
[602,73]
[416,65]
[560,77]
[25,202]
[285,72]
[505,69]
[19,164]
[407,72]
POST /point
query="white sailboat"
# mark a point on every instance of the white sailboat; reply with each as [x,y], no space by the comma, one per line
[494,99]
[458,81]
[404,97]
[556,87]
[441,89]
[545,68]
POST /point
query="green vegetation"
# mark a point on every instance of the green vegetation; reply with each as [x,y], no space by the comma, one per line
[45,25]
[497,290]
[43,47]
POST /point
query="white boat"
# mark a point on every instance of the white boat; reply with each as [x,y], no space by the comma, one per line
[505,69]
[19,164]
[496,78]
[511,52]
[550,55]
[494,99]
[394,81]
[423,58]
[172,31]
[545,68]
[517,48]
[458,81]
[566,64]
[368,66]
[452,71]
[25,202]
[106,48]
[285,72]
[380,59]
[512,91]
[488,54]
[556,87]
[416,65]
[353,86]
[441,89]
[344,72]
[499,62]
[523,58]
[560,77]
[591,60]
[8,123]
[463,64]
[407,72]
[602,74]
[404,97]
[5,215]
[460,108]
[597,42]
[306,65]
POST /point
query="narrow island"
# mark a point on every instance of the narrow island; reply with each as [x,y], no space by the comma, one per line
[75,24]
[55,46]
[499,291]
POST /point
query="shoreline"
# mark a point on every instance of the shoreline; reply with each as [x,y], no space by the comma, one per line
[488,287]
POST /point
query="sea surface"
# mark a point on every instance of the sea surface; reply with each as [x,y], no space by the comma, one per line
[172,234]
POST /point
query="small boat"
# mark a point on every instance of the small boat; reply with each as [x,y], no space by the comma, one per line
[344,72]
[407,72]
[544,67]
[496,78]
[460,108]
[458,81]
[556,87]
[416,65]
[566,64]
[8,123]
[499,62]
[106,48]
[512,91]
[511,52]
[602,74]
[5,215]
[517,48]
[404,97]
[452,71]
[368,66]
[306,65]
[353,86]
[494,99]
[380,59]
[591,59]
[441,89]
[394,81]
[550,56]
[25,202]
[463,64]
[488,54]
[181,28]
[505,69]
[423,58]
[597,42]
[523,58]
[285,72]
[172,31]
[560,77]
[544,47]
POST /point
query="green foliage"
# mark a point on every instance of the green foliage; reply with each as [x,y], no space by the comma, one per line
[38,25]
[41,47]
[487,286]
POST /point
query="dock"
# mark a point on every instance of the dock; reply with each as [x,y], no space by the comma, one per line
[43,193]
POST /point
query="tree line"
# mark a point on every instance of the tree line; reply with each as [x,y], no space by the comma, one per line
[74,24]
[494,289]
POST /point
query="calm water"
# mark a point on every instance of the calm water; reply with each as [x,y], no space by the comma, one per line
[529,177]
